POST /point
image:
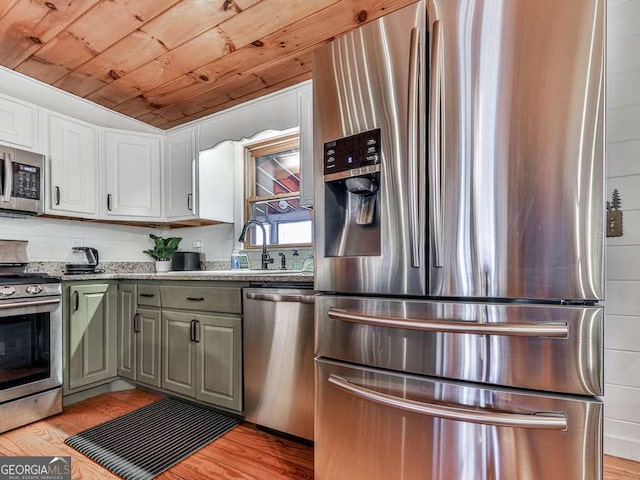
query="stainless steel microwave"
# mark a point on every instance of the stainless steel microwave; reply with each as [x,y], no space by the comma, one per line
[21,182]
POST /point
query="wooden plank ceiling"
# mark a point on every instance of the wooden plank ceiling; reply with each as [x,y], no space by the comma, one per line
[167,62]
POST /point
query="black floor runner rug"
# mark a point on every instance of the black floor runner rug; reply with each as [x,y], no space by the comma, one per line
[147,441]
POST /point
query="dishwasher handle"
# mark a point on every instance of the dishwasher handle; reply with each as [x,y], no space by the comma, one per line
[281,297]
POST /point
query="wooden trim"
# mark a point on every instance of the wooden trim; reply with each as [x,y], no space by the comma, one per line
[272,145]
[141,223]
[269,198]
[258,149]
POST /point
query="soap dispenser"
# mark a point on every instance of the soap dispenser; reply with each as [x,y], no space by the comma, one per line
[295,263]
[235,259]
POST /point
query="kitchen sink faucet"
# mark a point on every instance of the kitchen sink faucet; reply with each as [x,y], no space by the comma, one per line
[266,258]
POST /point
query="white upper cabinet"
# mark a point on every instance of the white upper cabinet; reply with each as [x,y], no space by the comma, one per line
[216,182]
[198,186]
[131,171]
[18,123]
[72,150]
[180,161]
[305,118]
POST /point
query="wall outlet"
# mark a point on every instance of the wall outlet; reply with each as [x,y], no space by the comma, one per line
[77,242]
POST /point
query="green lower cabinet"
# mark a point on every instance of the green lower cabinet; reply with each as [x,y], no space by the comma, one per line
[127,341]
[201,357]
[138,339]
[218,361]
[148,347]
[178,352]
[93,334]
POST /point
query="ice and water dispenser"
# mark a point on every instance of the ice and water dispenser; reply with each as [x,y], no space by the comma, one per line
[352,195]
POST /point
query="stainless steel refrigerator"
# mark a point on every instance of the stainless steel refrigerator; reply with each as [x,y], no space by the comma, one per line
[458,149]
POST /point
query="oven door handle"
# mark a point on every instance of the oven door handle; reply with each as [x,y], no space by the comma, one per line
[542,420]
[30,303]
[553,330]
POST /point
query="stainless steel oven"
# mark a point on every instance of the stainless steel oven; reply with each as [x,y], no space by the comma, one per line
[30,340]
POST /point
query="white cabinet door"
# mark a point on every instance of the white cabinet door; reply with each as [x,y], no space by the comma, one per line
[180,164]
[18,123]
[216,183]
[305,117]
[131,168]
[73,153]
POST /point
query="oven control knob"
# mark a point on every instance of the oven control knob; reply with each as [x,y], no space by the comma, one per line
[7,291]
[34,289]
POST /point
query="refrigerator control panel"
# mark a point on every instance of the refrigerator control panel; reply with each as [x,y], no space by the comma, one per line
[356,151]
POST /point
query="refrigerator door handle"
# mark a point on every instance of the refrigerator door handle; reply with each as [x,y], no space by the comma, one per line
[8,177]
[412,144]
[543,420]
[551,330]
[435,146]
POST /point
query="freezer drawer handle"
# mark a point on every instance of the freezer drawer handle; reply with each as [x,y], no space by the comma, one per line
[484,417]
[278,297]
[555,330]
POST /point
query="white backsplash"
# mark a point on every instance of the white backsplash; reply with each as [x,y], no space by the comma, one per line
[50,240]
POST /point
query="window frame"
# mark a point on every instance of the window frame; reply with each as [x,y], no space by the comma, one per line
[253,151]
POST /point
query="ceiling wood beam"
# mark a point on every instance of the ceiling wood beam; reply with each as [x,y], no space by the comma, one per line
[90,35]
[29,25]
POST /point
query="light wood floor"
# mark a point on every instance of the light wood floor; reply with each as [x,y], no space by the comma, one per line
[241,454]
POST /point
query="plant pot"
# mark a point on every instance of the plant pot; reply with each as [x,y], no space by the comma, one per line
[163,265]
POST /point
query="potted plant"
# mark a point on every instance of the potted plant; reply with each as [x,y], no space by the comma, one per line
[162,250]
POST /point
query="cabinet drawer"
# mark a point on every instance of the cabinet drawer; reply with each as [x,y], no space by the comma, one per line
[149,295]
[204,299]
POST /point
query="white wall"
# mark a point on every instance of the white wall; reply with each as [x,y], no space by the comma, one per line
[622,325]
[50,240]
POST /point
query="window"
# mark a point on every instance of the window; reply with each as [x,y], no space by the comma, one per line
[273,194]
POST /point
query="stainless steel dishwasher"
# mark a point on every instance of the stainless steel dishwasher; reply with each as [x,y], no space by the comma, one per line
[278,359]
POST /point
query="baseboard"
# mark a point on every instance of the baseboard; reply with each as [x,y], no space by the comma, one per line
[628,448]
[115,386]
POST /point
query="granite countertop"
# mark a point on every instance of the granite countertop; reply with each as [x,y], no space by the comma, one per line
[210,275]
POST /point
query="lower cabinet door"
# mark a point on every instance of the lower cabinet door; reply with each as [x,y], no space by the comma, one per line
[178,352]
[148,347]
[93,333]
[127,338]
[219,361]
